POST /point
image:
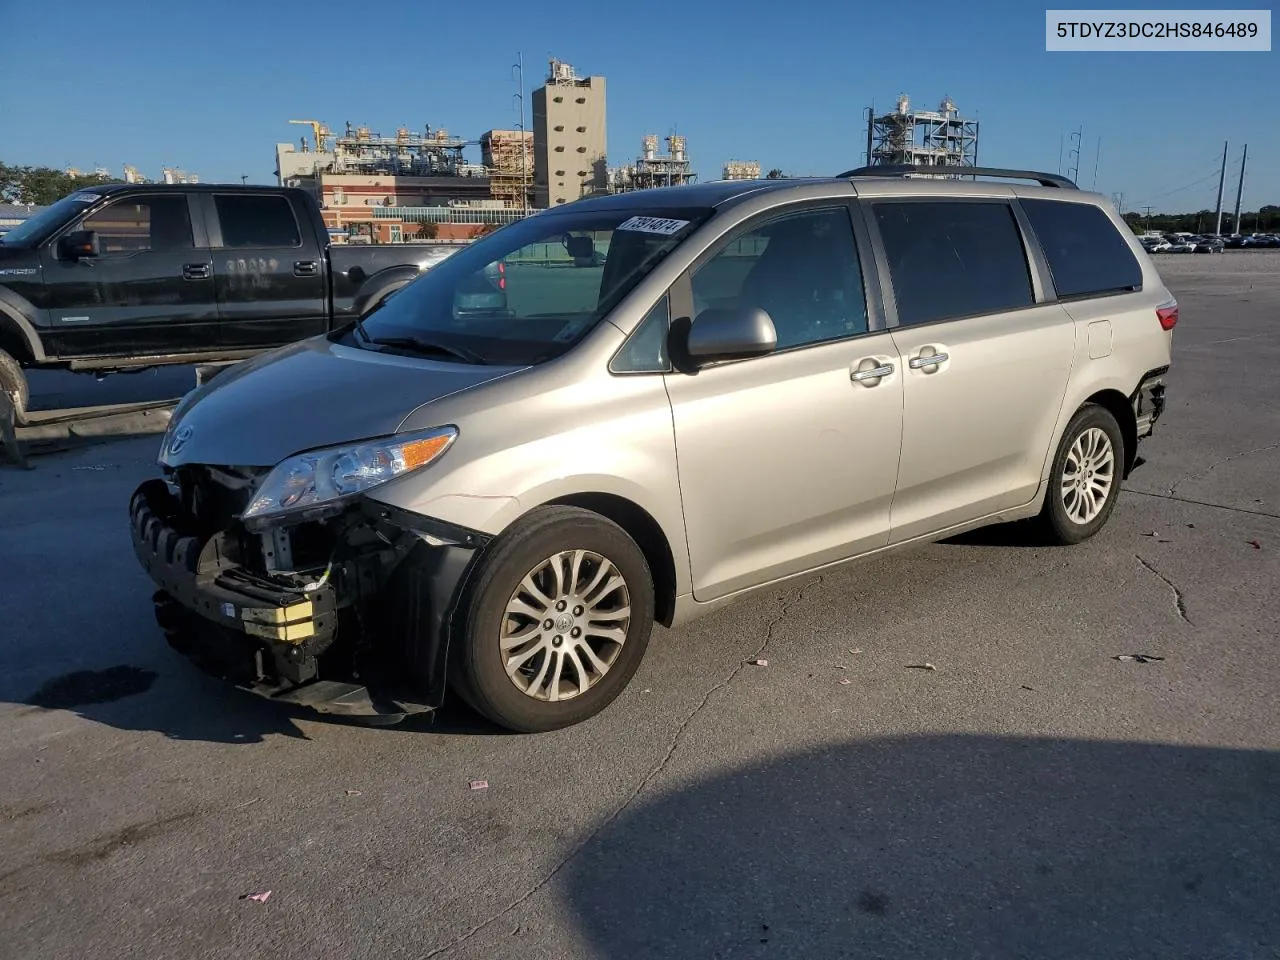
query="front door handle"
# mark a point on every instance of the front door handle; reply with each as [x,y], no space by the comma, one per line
[929,360]
[304,268]
[195,271]
[866,374]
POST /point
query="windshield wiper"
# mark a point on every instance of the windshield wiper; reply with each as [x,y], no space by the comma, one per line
[419,345]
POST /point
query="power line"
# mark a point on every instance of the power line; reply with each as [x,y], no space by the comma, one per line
[1195,183]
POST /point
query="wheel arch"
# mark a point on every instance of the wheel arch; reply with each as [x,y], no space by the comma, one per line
[18,337]
[649,537]
[1119,406]
[377,287]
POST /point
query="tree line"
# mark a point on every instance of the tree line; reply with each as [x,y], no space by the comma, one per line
[1264,220]
[42,186]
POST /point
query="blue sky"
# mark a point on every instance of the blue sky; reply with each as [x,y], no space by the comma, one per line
[210,88]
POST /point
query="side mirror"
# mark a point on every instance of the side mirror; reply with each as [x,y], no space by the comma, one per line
[580,248]
[732,333]
[78,244]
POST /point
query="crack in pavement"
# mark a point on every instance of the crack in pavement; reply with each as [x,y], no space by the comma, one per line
[1217,463]
[1179,600]
[1204,503]
[802,594]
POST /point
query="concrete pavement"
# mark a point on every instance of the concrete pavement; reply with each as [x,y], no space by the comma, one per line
[1031,796]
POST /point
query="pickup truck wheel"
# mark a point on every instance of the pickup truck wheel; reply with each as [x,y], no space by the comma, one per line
[1084,483]
[557,622]
[14,382]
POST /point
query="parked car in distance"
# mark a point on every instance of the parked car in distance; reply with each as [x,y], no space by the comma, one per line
[1209,245]
[1183,246]
[1160,246]
[761,380]
[127,276]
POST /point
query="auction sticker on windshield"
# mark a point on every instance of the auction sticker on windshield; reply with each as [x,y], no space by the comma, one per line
[86,197]
[659,225]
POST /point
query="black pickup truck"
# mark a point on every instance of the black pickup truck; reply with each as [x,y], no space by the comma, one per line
[127,276]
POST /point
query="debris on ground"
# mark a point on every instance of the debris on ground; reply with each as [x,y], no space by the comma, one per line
[921,666]
[97,467]
[257,897]
[1191,526]
[844,681]
[1255,544]
[478,784]
[1156,537]
[759,662]
[856,650]
[353,793]
[1137,658]
[1025,687]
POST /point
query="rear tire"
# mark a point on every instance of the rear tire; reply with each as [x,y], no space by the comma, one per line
[1084,482]
[557,621]
[14,382]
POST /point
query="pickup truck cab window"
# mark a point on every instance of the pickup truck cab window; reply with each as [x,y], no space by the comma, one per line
[137,224]
[257,221]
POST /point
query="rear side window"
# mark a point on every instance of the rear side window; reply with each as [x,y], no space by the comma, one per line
[257,221]
[953,259]
[1086,253]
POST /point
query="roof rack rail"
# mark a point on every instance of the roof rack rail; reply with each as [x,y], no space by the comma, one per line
[906,169]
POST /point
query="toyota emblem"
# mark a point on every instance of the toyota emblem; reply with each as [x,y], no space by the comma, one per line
[180,439]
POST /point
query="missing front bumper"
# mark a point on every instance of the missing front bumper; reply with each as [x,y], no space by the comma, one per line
[324,645]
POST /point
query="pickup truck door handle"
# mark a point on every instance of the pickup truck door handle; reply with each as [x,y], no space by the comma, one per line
[196,271]
[927,360]
[304,268]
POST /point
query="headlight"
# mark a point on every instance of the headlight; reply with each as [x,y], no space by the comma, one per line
[323,478]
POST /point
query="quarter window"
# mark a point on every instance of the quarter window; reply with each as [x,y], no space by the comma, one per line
[646,350]
[802,269]
[1086,253]
[140,224]
[953,259]
[257,221]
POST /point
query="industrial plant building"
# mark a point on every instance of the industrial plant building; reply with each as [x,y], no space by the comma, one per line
[653,169]
[569,137]
[741,170]
[940,137]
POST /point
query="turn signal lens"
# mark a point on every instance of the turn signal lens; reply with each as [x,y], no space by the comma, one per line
[420,452]
[1168,315]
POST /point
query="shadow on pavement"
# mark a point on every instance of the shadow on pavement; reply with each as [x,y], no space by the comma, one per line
[184,704]
[947,847]
[1021,533]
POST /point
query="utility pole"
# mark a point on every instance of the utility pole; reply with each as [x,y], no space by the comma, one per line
[1240,187]
[1222,179]
[1077,138]
[524,149]
[1148,227]
[1097,159]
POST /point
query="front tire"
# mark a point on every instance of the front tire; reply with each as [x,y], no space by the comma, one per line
[1084,482]
[14,383]
[557,622]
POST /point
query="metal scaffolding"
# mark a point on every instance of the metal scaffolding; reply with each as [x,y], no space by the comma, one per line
[508,156]
[907,136]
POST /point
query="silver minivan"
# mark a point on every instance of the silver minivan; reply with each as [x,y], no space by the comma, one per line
[498,480]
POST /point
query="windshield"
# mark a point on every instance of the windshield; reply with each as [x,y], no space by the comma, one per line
[49,219]
[530,291]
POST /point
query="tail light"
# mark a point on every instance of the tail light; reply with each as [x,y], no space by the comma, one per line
[1168,315]
[502,281]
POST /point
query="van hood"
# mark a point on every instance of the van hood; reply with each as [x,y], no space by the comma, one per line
[310,394]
